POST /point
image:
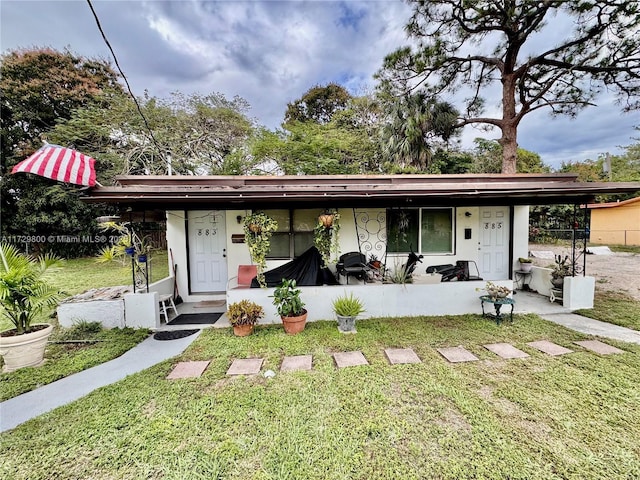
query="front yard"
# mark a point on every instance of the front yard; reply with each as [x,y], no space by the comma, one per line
[573,416]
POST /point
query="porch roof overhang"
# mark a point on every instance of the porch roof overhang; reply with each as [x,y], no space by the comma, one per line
[228,192]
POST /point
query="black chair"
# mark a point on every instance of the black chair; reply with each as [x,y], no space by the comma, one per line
[462,266]
[353,264]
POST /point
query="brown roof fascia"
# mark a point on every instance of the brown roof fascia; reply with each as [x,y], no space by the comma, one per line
[357,189]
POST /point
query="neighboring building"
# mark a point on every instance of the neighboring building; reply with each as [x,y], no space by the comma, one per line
[615,223]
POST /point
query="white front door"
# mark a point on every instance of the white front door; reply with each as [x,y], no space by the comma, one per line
[494,243]
[207,251]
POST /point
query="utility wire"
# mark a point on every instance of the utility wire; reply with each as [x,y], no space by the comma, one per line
[115,59]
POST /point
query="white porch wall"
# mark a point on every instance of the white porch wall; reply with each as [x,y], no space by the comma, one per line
[177,246]
[380,300]
[520,234]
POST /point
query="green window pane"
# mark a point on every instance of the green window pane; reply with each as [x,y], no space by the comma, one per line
[437,230]
[280,216]
[302,241]
[305,220]
[279,246]
[402,230]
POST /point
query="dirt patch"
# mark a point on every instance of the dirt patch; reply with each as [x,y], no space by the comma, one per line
[619,272]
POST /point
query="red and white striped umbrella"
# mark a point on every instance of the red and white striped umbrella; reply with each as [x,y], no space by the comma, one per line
[59,163]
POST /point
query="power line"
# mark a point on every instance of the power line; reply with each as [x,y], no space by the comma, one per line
[115,59]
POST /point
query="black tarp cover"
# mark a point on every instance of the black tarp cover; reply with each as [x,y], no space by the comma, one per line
[305,270]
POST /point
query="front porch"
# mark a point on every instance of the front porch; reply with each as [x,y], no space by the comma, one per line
[318,302]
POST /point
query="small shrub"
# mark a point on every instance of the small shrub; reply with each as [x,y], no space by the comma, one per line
[348,306]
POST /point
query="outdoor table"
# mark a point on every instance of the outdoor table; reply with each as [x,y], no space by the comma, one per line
[522,279]
[497,304]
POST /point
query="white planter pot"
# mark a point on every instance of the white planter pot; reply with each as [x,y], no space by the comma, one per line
[526,267]
[25,350]
[346,324]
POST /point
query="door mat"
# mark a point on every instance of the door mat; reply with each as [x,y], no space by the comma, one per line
[173,334]
[195,318]
[210,303]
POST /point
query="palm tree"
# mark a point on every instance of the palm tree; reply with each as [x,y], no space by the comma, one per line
[415,123]
[24,291]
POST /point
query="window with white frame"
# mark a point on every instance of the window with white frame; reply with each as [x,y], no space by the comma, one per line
[429,231]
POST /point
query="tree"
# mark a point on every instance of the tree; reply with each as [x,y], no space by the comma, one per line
[488,159]
[414,126]
[318,104]
[475,45]
[40,87]
[198,133]
[309,148]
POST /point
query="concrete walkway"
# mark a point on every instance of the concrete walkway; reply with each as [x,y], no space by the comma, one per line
[527,302]
[147,353]
[590,326]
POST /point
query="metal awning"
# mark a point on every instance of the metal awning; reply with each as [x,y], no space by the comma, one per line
[203,192]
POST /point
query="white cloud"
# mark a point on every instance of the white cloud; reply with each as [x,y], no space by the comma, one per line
[270,52]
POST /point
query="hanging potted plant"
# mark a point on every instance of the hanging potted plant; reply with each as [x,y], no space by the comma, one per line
[24,293]
[326,235]
[258,229]
[243,315]
[286,298]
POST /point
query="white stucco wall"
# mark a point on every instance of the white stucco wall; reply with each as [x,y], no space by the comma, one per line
[520,234]
[238,254]
[380,300]
[110,313]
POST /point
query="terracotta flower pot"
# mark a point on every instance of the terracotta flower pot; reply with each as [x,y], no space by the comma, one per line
[294,325]
[255,228]
[25,350]
[242,330]
[326,220]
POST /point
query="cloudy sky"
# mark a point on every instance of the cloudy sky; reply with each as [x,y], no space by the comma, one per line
[270,53]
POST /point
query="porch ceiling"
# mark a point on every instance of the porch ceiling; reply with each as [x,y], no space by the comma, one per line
[169,192]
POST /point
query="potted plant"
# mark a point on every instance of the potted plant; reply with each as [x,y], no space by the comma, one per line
[326,235]
[374,262]
[286,298]
[24,293]
[347,308]
[243,315]
[526,264]
[496,291]
[562,268]
[258,229]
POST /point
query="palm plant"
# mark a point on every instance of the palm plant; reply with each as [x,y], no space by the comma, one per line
[24,291]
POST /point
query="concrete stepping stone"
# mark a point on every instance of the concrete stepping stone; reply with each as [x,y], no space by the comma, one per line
[549,348]
[457,354]
[296,363]
[188,370]
[599,347]
[505,350]
[401,355]
[245,366]
[349,359]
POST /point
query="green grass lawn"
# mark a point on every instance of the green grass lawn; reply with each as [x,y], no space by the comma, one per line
[574,416]
[64,356]
[614,307]
[80,274]
[75,276]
